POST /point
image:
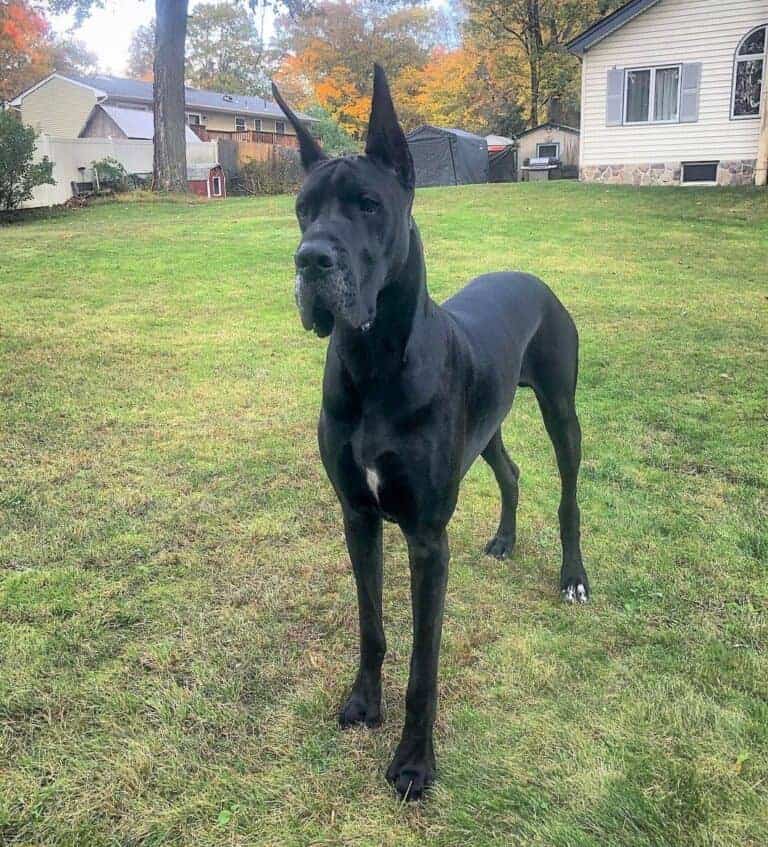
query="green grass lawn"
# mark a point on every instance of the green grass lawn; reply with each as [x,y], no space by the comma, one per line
[177,614]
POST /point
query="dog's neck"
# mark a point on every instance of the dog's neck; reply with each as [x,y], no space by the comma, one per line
[402,307]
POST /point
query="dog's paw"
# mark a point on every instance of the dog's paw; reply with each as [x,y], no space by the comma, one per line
[575,589]
[359,711]
[500,546]
[411,775]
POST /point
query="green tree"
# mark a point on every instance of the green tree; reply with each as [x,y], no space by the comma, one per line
[526,42]
[141,52]
[225,49]
[334,139]
[19,174]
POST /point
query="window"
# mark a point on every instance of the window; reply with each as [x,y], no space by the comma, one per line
[193,119]
[257,124]
[280,127]
[217,186]
[239,123]
[698,172]
[748,72]
[550,150]
[652,95]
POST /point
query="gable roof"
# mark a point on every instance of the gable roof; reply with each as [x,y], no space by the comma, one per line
[549,125]
[16,101]
[138,123]
[115,87]
[608,25]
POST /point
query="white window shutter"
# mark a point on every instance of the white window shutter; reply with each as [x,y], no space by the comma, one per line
[690,85]
[614,97]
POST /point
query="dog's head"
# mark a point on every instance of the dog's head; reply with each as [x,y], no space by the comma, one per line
[354,213]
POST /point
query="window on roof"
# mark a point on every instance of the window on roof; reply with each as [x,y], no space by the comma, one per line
[748,73]
[239,123]
[652,95]
[280,127]
[257,124]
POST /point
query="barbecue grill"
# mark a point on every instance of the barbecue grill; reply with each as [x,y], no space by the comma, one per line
[540,168]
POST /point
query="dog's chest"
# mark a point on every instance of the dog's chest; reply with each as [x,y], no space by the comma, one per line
[375,449]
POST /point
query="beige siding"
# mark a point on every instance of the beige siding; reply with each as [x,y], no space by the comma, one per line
[568,141]
[225,122]
[673,31]
[58,107]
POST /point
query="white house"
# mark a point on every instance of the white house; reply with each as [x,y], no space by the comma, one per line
[671,92]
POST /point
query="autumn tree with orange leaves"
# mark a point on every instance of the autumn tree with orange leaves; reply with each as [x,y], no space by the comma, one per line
[29,51]
[23,47]
[329,53]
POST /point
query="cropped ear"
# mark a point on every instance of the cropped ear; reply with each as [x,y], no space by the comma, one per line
[386,140]
[309,149]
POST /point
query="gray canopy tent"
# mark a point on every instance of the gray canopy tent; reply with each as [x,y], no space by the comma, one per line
[448,156]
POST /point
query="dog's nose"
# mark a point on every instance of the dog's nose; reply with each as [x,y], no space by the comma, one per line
[314,256]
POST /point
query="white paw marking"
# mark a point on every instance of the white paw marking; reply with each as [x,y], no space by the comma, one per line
[577,593]
[374,482]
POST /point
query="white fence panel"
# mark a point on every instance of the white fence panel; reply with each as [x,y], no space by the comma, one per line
[70,154]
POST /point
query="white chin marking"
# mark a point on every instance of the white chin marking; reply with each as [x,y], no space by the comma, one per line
[374,483]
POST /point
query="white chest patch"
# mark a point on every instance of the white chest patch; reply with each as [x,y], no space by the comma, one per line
[374,482]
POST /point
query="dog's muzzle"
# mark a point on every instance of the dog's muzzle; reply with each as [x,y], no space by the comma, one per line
[326,290]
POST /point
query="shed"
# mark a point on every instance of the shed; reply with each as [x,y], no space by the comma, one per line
[116,122]
[207,180]
[448,156]
[551,141]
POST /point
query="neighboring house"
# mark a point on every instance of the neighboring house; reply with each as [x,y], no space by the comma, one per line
[671,92]
[62,104]
[115,122]
[553,141]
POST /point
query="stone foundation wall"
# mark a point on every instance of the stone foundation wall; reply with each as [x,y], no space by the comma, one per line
[739,172]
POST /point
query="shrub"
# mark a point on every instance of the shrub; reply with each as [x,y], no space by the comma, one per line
[111,174]
[19,174]
[333,138]
[280,174]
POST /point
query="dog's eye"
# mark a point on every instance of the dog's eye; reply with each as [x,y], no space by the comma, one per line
[301,211]
[369,206]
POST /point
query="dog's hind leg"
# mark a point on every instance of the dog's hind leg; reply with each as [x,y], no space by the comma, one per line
[507,475]
[553,379]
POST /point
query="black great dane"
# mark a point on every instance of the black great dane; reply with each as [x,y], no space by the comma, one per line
[413,393]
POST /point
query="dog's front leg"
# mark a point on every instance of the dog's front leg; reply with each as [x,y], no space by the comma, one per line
[413,765]
[363,533]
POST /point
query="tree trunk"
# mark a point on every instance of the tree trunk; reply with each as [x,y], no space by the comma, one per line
[535,43]
[534,118]
[170,159]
